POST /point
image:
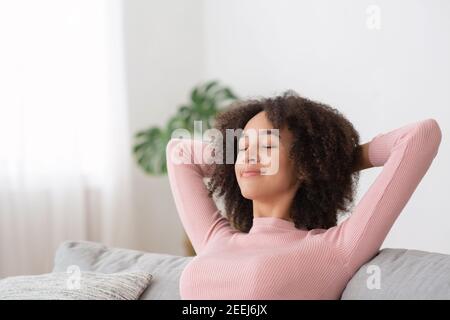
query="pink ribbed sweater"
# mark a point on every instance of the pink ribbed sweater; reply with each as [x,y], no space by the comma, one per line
[275,260]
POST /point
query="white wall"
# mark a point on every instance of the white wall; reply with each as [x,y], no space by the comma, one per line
[323,49]
[381,79]
[164,58]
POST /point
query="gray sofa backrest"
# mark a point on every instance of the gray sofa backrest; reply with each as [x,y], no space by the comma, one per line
[403,274]
[392,274]
[91,256]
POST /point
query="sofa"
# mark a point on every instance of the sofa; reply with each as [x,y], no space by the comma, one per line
[391,274]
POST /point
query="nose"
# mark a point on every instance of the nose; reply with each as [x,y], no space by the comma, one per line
[252,155]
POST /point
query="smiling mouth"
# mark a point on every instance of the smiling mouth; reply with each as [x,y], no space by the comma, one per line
[247,174]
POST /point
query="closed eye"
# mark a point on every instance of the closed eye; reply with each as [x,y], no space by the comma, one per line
[266,147]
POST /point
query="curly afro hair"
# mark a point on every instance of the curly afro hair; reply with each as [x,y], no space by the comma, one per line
[325,147]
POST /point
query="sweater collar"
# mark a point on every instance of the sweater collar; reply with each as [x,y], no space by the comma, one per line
[264,223]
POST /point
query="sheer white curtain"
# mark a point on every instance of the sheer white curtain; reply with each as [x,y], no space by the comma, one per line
[64,146]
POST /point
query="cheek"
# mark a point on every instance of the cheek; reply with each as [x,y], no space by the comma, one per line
[287,164]
[286,171]
[237,169]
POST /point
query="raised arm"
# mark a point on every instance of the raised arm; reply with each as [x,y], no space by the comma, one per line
[406,154]
[198,212]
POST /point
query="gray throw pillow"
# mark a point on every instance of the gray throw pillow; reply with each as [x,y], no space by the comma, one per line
[76,286]
[166,269]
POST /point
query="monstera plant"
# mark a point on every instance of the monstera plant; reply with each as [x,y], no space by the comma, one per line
[205,101]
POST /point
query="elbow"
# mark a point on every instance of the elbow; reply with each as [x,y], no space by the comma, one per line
[170,149]
[433,131]
[178,151]
[430,135]
[170,145]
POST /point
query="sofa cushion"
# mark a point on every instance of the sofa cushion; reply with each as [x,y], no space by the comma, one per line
[401,274]
[91,256]
[76,285]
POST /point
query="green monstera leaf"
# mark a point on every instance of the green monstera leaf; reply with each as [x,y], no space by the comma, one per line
[206,100]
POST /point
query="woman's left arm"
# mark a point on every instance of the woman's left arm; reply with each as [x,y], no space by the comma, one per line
[405,154]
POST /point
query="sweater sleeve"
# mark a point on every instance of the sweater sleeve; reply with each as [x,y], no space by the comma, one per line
[405,154]
[198,212]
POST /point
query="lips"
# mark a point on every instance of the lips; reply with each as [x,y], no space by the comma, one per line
[250,173]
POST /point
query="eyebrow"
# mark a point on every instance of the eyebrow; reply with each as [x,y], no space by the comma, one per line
[267,131]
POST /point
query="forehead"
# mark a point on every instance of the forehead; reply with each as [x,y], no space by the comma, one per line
[260,124]
[259,121]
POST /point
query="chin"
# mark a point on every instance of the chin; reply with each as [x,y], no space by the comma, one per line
[246,196]
[251,194]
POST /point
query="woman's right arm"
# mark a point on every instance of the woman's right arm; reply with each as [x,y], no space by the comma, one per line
[198,212]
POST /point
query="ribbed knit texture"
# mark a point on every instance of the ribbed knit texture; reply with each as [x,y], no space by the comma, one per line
[275,260]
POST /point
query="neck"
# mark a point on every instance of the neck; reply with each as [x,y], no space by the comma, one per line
[279,207]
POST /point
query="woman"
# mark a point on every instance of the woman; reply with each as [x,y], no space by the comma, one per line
[279,238]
